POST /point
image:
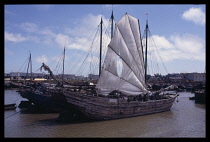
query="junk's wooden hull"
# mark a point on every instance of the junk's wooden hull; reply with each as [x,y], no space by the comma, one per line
[97,107]
[104,108]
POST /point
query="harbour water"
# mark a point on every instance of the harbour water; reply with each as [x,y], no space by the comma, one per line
[185,119]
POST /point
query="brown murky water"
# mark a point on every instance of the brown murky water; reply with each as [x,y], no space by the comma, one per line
[185,119]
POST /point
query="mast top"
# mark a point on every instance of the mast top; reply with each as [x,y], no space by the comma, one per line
[101,20]
[112,16]
[146,20]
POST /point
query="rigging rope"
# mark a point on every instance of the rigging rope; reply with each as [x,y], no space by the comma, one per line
[84,62]
[158,52]
[89,60]
[12,114]
[23,64]
[77,56]
[15,112]
[59,60]
[153,67]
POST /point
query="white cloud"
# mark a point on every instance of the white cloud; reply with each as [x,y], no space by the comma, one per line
[178,47]
[82,35]
[44,35]
[30,27]
[188,43]
[79,37]
[19,38]
[42,59]
[87,25]
[62,40]
[195,15]
[34,28]
[162,43]
[14,37]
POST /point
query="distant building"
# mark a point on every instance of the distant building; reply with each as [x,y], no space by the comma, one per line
[23,75]
[93,77]
[81,77]
[196,77]
[153,78]
[17,75]
[176,79]
[66,76]
[38,75]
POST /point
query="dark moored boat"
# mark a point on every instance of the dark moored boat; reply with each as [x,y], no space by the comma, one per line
[200,97]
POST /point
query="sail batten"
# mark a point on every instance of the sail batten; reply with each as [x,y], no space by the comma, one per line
[127,78]
[124,65]
[129,64]
[122,79]
[141,75]
[138,44]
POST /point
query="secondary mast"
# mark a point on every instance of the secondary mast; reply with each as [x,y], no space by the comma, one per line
[63,66]
[29,64]
[146,51]
[112,25]
[100,48]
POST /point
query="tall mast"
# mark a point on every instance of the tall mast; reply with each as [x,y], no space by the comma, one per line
[100,48]
[146,51]
[141,41]
[112,18]
[31,65]
[28,65]
[63,65]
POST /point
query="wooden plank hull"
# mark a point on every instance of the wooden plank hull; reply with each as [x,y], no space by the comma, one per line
[97,107]
[104,108]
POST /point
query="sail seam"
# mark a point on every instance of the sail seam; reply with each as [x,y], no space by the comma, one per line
[132,70]
[122,79]
[126,64]
[130,54]
[142,76]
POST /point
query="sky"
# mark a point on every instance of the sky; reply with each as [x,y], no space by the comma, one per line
[178,33]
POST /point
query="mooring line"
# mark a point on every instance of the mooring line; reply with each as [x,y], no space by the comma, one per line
[11,115]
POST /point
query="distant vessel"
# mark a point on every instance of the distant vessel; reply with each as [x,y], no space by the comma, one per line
[40,93]
[200,96]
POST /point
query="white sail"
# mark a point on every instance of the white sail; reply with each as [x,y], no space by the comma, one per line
[126,47]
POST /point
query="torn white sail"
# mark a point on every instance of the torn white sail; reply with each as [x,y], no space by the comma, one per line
[125,48]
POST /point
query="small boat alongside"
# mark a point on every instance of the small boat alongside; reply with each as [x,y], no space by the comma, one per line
[9,106]
[200,97]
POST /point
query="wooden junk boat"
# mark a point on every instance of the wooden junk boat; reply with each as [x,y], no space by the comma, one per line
[121,90]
